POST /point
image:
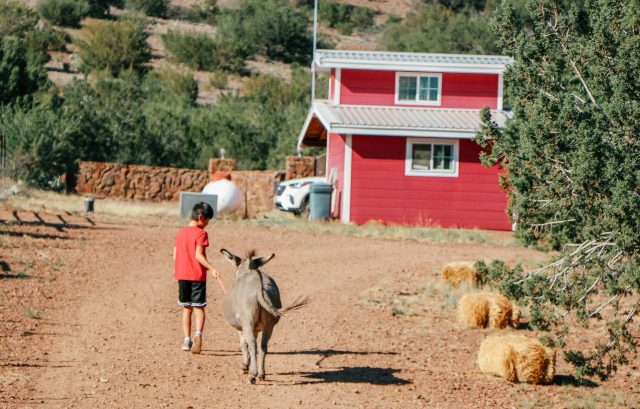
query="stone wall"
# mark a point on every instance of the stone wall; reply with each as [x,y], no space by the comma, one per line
[155,183]
[300,167]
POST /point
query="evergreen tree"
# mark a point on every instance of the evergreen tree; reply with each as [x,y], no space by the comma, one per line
[572,161]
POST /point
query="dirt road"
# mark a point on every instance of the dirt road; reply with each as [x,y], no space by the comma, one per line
[93,323]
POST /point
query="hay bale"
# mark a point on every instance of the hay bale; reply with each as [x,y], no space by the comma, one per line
[485,309]
[458,272]
[517,359]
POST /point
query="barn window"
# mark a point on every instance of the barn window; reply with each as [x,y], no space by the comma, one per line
[431,157]
[418,89]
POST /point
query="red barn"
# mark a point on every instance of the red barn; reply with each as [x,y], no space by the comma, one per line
[399,129]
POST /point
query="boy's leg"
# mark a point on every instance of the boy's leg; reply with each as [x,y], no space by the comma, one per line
[200,317]
[197,340]
[186,320]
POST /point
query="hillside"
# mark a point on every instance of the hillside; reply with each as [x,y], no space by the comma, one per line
[63,66]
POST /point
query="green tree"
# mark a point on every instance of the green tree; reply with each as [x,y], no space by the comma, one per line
[22,72]
[39,143]
[268,27]
[66,13]
[100,8]
[437,29]
[16,19]
[155,8]
[115,46]
[572,156]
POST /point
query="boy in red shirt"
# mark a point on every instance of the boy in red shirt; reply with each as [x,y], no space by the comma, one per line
[191,267]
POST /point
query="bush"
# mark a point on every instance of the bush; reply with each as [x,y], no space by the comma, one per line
[22,71]
[46,39]
[345,17]
[198,51]
[66,13]
[436,29]
[16,19]
[100,8]
[155,8]
[268,27]
[114,46]
[39,145]
[219,79]
[204,11]
[201,52]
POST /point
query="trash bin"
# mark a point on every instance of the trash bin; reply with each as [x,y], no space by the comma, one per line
[320,201]
[88,204]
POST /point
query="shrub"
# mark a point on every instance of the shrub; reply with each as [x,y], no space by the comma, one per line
[16,19]
[46,38]
[114,46]
[155,8]
[434,28]
[205,10]
[22,71]
[198,51]
[268,27]
[345,17]
[219,79]
[202,52]
[66,13]
[100,8]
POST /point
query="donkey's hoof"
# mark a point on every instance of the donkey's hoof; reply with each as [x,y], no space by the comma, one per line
[245,370]
[261,377]
[251,380]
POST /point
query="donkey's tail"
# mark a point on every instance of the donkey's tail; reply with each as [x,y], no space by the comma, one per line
[296,305]
[266,304]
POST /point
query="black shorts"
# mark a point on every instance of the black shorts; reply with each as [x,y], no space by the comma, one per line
[192,293]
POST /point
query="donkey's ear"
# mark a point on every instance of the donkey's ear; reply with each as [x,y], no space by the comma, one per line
[259,262]
[231,257]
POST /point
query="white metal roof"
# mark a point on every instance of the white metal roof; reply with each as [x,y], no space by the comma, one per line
[405,61]
[398,121]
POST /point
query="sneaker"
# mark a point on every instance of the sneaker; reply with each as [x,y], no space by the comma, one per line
[186,345]
[197,344]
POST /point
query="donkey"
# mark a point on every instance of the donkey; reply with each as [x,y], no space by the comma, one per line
[253,305]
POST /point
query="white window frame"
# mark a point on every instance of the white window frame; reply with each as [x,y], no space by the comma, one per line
[408,171]
[417,101]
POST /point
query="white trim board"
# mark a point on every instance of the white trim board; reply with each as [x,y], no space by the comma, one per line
[337,84]
[499,105]
[345,213]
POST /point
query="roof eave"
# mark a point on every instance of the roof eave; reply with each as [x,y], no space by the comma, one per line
[328,64]
[404,132]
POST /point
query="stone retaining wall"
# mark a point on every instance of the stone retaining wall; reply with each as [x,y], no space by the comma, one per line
[155,183]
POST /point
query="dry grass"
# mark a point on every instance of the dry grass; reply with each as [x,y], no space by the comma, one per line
[517,358]
[278,219]
[487,309]
[31,199]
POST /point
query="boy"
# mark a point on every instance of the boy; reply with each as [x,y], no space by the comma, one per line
[191,267]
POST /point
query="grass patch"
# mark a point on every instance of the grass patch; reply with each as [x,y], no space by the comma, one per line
[414,302]
[277,219]
[33,314]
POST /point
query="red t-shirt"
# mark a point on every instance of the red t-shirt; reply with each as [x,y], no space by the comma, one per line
[187,267]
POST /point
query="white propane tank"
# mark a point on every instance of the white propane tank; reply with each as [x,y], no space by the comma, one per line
[229,195]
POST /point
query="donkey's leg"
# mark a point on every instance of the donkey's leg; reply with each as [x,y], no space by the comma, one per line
[245,353]
[262,348]
[249,334]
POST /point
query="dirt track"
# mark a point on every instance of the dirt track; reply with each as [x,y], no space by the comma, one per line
[109,329]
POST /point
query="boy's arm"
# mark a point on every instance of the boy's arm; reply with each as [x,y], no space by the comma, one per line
[202,259]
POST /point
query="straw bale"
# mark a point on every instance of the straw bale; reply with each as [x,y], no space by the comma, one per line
[487,309]
[517,359]
[458,272]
